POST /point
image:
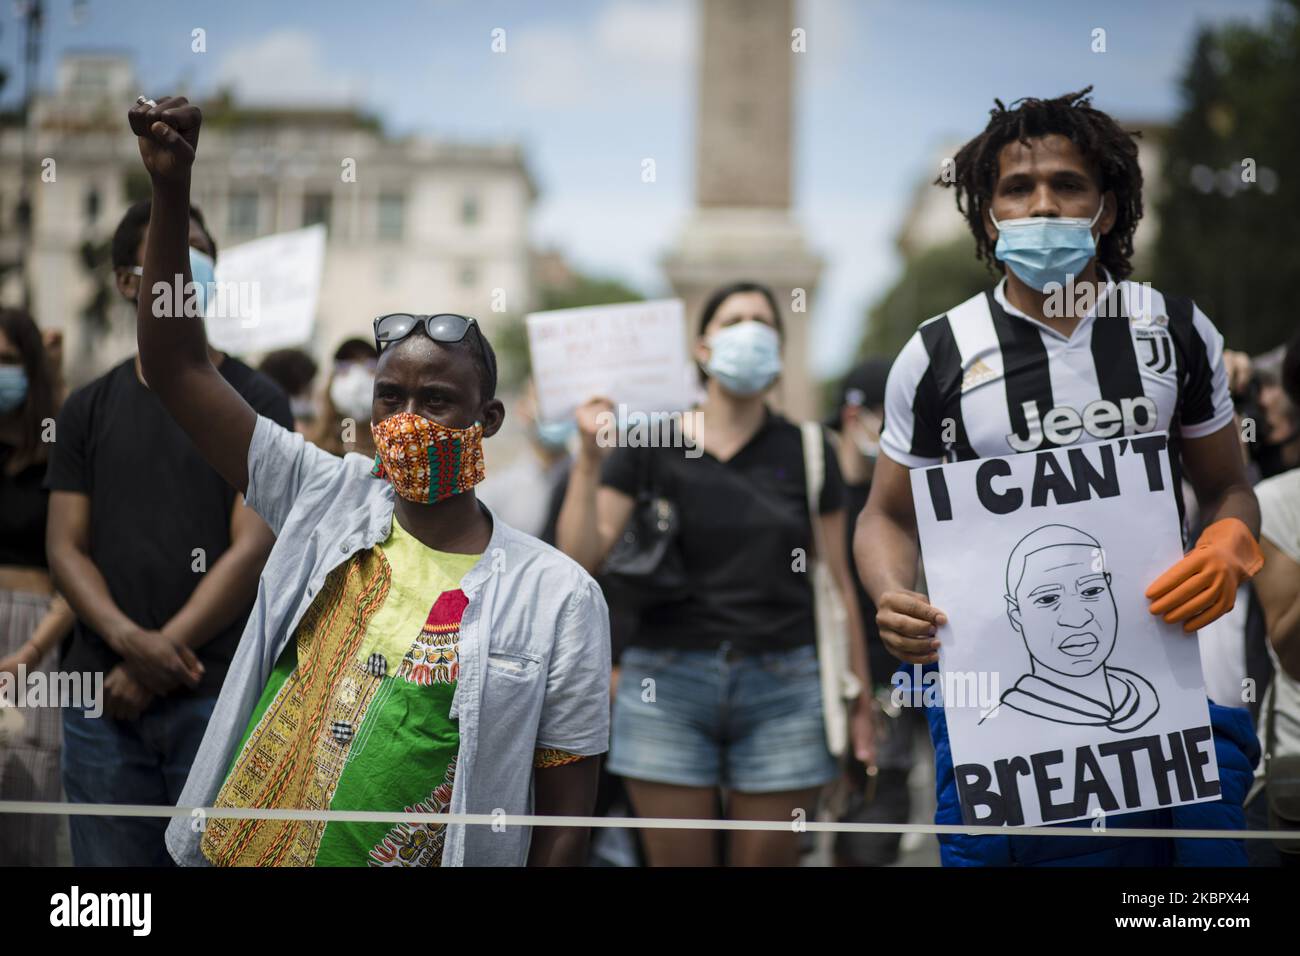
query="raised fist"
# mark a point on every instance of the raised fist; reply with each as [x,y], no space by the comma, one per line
[168,136]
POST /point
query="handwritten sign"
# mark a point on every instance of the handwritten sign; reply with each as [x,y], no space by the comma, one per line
[633,354]
[266,292]
[1065,698]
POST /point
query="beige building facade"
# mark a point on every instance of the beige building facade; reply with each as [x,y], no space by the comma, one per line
[412,224]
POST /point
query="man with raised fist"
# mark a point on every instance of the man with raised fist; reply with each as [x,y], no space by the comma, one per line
[408,651]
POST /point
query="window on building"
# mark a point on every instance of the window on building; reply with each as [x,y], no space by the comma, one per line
[392,208]
[243,214]
[91,76]
[469,211]
[316,208]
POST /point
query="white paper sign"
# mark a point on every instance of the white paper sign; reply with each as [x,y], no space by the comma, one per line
[1065,698]
[266,292]
[633,354]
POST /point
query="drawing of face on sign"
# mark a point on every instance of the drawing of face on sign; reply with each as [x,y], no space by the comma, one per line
[1059,600]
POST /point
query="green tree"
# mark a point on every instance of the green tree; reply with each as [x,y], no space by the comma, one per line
[586,290]
[932,282]
[1232,244]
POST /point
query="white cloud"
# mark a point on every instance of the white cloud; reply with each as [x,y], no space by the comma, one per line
[287,67]
[657,34]
[630,45]
[550,67]
[832,34]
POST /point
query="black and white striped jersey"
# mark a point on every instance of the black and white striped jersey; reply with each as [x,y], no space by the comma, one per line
[985,380]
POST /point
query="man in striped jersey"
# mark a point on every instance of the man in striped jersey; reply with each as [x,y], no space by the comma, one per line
[1063,350]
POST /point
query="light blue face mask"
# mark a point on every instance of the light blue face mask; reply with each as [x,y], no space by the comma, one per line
[745,358]
[203,271]
[1042,250]
[555,436]
[13,387]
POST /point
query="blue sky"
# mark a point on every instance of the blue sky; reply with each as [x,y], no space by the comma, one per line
[592,87]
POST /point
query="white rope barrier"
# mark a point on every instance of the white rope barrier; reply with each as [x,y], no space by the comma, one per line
[638,823]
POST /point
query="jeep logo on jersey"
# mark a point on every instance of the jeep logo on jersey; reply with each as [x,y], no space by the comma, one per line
[1100,419]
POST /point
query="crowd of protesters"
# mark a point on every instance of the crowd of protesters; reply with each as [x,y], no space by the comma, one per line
[298,594]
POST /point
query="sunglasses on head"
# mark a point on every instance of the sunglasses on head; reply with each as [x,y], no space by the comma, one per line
[444,327]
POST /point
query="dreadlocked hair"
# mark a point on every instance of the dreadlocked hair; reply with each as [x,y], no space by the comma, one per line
[1108,149]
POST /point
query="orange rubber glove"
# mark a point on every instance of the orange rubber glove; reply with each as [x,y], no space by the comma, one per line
[1203,585]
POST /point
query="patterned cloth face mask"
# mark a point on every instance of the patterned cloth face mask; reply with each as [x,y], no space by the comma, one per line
[427,462]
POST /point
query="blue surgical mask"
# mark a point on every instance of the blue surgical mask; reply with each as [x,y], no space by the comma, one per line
[203,271]
[13,387]
[745,358]
[1042,250]
[554,436]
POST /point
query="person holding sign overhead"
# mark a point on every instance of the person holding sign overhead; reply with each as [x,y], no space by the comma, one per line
[1064,350]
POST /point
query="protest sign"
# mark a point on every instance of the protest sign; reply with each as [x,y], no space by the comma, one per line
[266,292]
[633,354]
[1065,697]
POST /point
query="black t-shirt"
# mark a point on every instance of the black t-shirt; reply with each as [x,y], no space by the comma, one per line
[623,620]
[23,506]
[741,521]
[153,501]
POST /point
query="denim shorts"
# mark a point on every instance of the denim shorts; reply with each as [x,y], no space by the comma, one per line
[715,718]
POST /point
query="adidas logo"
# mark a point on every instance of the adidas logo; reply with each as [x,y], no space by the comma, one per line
[977,374]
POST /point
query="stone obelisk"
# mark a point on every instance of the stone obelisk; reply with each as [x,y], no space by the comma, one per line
[742,227]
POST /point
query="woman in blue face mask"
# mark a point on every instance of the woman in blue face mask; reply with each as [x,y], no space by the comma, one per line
[718,703]
[33,619]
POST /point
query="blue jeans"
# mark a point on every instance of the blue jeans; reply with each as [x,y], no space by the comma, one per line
[129,761]
[715,718]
